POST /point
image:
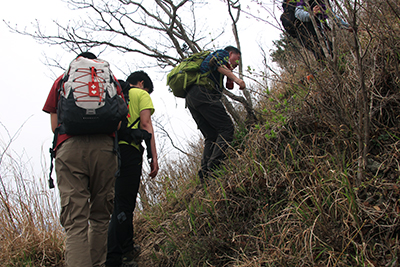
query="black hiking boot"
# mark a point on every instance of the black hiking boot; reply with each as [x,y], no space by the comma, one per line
[128,259]
[203,175]
[130,264]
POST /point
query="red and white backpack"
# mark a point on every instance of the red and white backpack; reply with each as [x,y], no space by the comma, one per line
[89,102]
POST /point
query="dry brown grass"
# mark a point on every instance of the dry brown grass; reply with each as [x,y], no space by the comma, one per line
[290,192]
[293,191]
[31,234]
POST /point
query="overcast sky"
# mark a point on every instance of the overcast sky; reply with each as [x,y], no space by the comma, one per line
[26,80]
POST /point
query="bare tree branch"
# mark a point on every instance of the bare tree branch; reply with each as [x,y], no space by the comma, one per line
[162,128]
[160,30]
[235,4]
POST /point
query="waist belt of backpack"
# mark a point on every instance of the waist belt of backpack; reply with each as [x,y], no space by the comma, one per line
[53,155]
[146,140]
[212,84]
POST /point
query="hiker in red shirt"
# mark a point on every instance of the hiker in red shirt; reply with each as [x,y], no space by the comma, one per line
[86,166]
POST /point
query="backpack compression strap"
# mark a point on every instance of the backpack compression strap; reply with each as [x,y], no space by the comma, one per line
[116,151]
[53,155]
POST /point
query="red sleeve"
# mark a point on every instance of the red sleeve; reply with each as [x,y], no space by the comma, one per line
[52,99]
[51,107]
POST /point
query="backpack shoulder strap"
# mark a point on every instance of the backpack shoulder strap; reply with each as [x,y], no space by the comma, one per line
[133,123]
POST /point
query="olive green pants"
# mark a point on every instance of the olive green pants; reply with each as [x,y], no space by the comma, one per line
[85,167]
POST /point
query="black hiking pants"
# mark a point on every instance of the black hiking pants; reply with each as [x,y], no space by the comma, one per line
[120,231]
[308,38]
[214,123]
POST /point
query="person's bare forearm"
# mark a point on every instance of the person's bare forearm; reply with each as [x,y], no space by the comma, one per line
[228,73]
[53,121]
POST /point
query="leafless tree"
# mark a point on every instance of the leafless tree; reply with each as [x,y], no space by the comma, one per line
[163,31]
[234,5]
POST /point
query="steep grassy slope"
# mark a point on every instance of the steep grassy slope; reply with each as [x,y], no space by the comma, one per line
[314,183]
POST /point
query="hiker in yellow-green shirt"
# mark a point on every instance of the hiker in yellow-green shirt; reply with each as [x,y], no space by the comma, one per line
[121,247]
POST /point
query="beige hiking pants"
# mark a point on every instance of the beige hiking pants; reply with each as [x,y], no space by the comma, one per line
[85,167]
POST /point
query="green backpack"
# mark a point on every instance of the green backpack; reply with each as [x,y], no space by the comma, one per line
[188,73]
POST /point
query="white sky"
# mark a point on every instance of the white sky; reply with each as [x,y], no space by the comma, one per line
[26,80]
